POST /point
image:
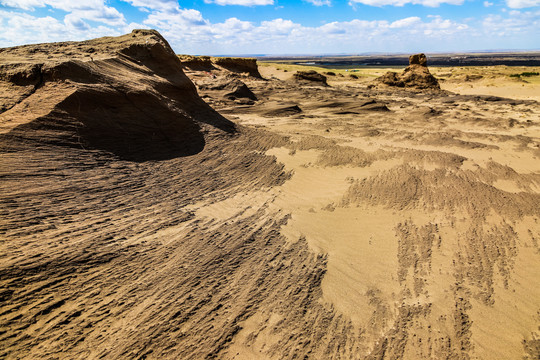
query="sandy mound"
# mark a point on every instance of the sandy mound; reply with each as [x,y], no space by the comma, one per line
[416,75]
[281,110]
[428,215]
[319,226]
[310,76]
[127,96]
[227,88]
[86,245]
[373,105]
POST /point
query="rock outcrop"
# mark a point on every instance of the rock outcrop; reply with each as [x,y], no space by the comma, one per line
[416,75]
[231,65]
[241,91]
[310,76]
[197,63]
[238,65]
[126,95]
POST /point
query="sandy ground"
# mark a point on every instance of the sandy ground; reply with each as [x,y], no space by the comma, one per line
[428,213]
[316,222]
[471,80]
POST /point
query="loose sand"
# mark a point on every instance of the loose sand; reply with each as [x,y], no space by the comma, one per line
[316,222]
[423,212]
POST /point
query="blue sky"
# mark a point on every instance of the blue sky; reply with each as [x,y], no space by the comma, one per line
[236,27]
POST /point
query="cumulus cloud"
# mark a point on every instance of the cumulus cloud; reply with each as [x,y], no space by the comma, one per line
[188,31]
[517,22]
[278,27]
[66,5]
[430,3]
[320,2]
[23,4]
[106,15]
[163,5]
[406,22]
[94,10]
[520,4]
[19,28]
[179,18]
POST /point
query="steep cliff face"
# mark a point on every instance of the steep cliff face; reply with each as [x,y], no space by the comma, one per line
[238,65]
[125,95]
[232,65]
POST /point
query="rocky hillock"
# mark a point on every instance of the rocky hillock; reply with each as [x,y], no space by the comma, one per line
[126,95]
[310,76]
[416,75]
[104,145]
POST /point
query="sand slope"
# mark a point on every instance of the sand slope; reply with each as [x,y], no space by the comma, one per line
[315,222]
[427,213]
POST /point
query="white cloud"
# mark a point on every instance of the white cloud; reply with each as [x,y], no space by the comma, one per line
[74,22]
[188,31]
[163,5]
[106,15]
[516,23]
[520,4]
[66,5]
[278,27]
[93,10]
[430,3]
[320,2]
[333,28]
[241,2]
[178,18]
[487,4]
[23,4]
[233,24]
[19,28]
[406,22]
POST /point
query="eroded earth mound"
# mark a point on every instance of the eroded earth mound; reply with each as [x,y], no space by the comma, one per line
[342,222]
[125,96]
[416,75]
[230,65]
[227,88]
[311,76]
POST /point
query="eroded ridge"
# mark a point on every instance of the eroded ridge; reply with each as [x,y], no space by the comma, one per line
[289,220]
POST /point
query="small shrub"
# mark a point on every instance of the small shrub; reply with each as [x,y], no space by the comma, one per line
[525,74]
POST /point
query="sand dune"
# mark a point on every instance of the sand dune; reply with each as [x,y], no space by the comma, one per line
[152,208]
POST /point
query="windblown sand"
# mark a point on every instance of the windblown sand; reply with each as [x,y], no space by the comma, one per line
[316,222]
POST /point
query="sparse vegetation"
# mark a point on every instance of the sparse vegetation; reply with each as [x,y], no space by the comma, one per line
[525,74]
